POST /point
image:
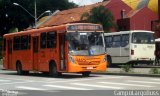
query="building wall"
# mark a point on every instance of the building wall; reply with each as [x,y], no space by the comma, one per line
[124,24]
[115,6]
[142,19]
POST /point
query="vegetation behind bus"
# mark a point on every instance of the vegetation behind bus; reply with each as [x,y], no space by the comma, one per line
[10,19]
[102,16]
[127,68]
[154,71]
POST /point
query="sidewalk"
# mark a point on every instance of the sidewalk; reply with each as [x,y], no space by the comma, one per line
[143,72]
[135,70]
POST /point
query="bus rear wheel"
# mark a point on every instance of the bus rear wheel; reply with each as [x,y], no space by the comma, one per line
[53,70]
[19,69]
[86,74]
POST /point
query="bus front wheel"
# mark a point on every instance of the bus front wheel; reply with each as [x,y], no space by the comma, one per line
[86,74]
[53,70]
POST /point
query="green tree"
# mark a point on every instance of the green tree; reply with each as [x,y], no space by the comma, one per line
[15,17]
[100,15]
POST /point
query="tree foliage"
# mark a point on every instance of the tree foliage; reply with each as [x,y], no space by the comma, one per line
[100,15]
[12,16]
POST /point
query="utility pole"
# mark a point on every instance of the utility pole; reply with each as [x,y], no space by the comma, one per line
[35,13]
[159,9]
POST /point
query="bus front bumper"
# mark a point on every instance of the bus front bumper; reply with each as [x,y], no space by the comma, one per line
[83,68]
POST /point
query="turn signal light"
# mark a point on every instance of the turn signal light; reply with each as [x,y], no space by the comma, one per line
[132,52]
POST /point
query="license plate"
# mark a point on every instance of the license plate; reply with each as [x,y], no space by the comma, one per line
[89,68]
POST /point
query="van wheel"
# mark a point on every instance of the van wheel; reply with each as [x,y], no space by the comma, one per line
[53,70]
[109,61]
[86,74]
[19,69]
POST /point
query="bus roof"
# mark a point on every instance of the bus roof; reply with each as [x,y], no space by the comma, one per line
[45,29]
[127,32]
[81,23]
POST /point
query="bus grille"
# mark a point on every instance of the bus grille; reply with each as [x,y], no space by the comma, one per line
[89,63]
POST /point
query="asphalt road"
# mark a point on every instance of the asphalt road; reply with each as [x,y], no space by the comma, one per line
[72,84]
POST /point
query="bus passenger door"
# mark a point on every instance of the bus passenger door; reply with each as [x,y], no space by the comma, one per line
[9,54]
[62,51]
[35,52]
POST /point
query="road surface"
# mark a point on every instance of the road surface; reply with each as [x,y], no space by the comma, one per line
[36,84]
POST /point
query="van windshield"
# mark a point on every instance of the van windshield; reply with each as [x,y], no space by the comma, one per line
[143,38]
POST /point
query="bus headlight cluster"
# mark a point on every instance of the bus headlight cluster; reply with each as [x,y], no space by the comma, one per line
[71,59]
[105,58]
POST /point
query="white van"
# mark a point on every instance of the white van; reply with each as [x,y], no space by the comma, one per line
[131,47]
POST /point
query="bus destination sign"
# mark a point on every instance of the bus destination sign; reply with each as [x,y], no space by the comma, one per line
[85,27]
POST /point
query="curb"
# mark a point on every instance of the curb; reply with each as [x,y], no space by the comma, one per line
[129,74]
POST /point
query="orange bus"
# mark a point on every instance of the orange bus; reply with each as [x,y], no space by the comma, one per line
[76,47]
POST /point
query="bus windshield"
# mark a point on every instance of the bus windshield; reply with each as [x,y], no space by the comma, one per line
[85,43]
[143,38]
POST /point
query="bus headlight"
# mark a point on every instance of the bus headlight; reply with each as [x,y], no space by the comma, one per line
[105,58]
[71,59]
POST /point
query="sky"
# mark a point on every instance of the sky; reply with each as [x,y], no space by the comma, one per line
[85,2]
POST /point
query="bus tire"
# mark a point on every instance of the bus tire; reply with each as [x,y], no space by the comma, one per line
[109,59]
[45,73]
[86,74]
[25,72]
[53,70]
[19,68]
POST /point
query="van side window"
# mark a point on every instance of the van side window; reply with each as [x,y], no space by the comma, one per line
[43,43]
[108,41]
[116,41]
[125,40]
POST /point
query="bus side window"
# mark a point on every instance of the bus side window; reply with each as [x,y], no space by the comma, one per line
[17,43]
[9,46]
[4,44]
[43,40]
[51,39]
[24,42]
[125,40]
[29,42]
